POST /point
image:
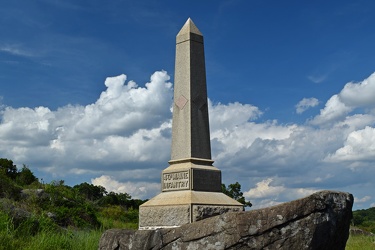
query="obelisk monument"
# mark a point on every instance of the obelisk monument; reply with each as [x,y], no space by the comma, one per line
[191,185]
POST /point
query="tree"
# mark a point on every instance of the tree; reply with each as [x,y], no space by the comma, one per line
[7,167]
[8,188]
[90,191]
[25,176]
[234,191]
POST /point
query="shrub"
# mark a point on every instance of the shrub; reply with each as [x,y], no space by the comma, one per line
[25,177]
[8,189]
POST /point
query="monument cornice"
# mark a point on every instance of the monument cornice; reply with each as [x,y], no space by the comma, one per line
[193,160]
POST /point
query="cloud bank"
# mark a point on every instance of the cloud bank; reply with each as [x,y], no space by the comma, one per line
[122,142]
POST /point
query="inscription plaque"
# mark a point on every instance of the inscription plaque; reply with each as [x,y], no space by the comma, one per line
[176,181]
[206,180]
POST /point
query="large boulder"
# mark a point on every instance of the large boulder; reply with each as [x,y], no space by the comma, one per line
[319,221]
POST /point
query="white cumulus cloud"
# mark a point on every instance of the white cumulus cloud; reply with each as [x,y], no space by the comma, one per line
[122,141]
[352,96]
[363,199]
[138,190]
[305,104]
[127,123]
[264,190]
[264,194]
[335,109]
[359,94]
[359,145]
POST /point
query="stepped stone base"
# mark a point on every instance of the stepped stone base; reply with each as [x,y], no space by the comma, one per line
[173,209]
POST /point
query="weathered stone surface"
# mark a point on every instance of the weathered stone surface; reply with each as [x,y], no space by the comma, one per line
[173,209]
[34,193]
[319,221]
[201,212]
[164,216]
[358,231]
[190,123]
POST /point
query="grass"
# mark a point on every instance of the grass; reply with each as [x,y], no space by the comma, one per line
[46,240]
[47,236]
[108,223]
[360,242]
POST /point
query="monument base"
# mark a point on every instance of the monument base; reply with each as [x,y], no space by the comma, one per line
[173,209]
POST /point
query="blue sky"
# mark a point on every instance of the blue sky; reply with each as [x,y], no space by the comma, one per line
[290,84]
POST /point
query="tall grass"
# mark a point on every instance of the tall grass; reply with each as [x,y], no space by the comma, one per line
[49,240]
[360,242]
[43,234]
[69,240]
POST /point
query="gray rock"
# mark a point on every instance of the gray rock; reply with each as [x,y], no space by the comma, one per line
[51,215]
[319,221]
[358,231]
[19,215]
[34,193]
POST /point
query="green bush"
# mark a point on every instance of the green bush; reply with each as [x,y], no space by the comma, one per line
[120,213]
[69,209]
[8,188]
[365,219]
[58,216]
[8,168]
[25,177]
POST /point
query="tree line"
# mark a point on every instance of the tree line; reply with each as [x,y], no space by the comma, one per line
[365,219]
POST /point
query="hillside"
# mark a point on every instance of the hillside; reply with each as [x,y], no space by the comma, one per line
[30,209]
[364,219]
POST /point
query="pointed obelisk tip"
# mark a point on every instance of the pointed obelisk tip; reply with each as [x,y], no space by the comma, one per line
[189,27]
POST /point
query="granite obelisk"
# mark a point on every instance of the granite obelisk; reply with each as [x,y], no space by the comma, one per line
[191,134]
[191,185]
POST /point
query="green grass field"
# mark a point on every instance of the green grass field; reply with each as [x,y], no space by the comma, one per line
[47,237]
[360,242]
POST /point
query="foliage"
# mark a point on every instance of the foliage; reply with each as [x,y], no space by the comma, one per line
[66,207]
[69,208]
[25,177]
[11,180]
[120,213]
[364,219]
[57,216]
[234,191]
[120,199]
[8,168]
[46,235]
[90,191]
[8,188]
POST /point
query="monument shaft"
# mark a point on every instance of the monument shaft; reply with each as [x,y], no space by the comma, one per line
[190,128]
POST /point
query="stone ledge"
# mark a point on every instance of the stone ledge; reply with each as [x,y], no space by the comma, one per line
[319,221]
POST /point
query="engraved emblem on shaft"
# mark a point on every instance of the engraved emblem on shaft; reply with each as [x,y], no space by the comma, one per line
[200,102]
[181,102]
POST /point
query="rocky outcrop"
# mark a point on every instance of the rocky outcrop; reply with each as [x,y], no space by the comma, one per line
[19,215]
[39,194]
[358,231]
[319,221]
